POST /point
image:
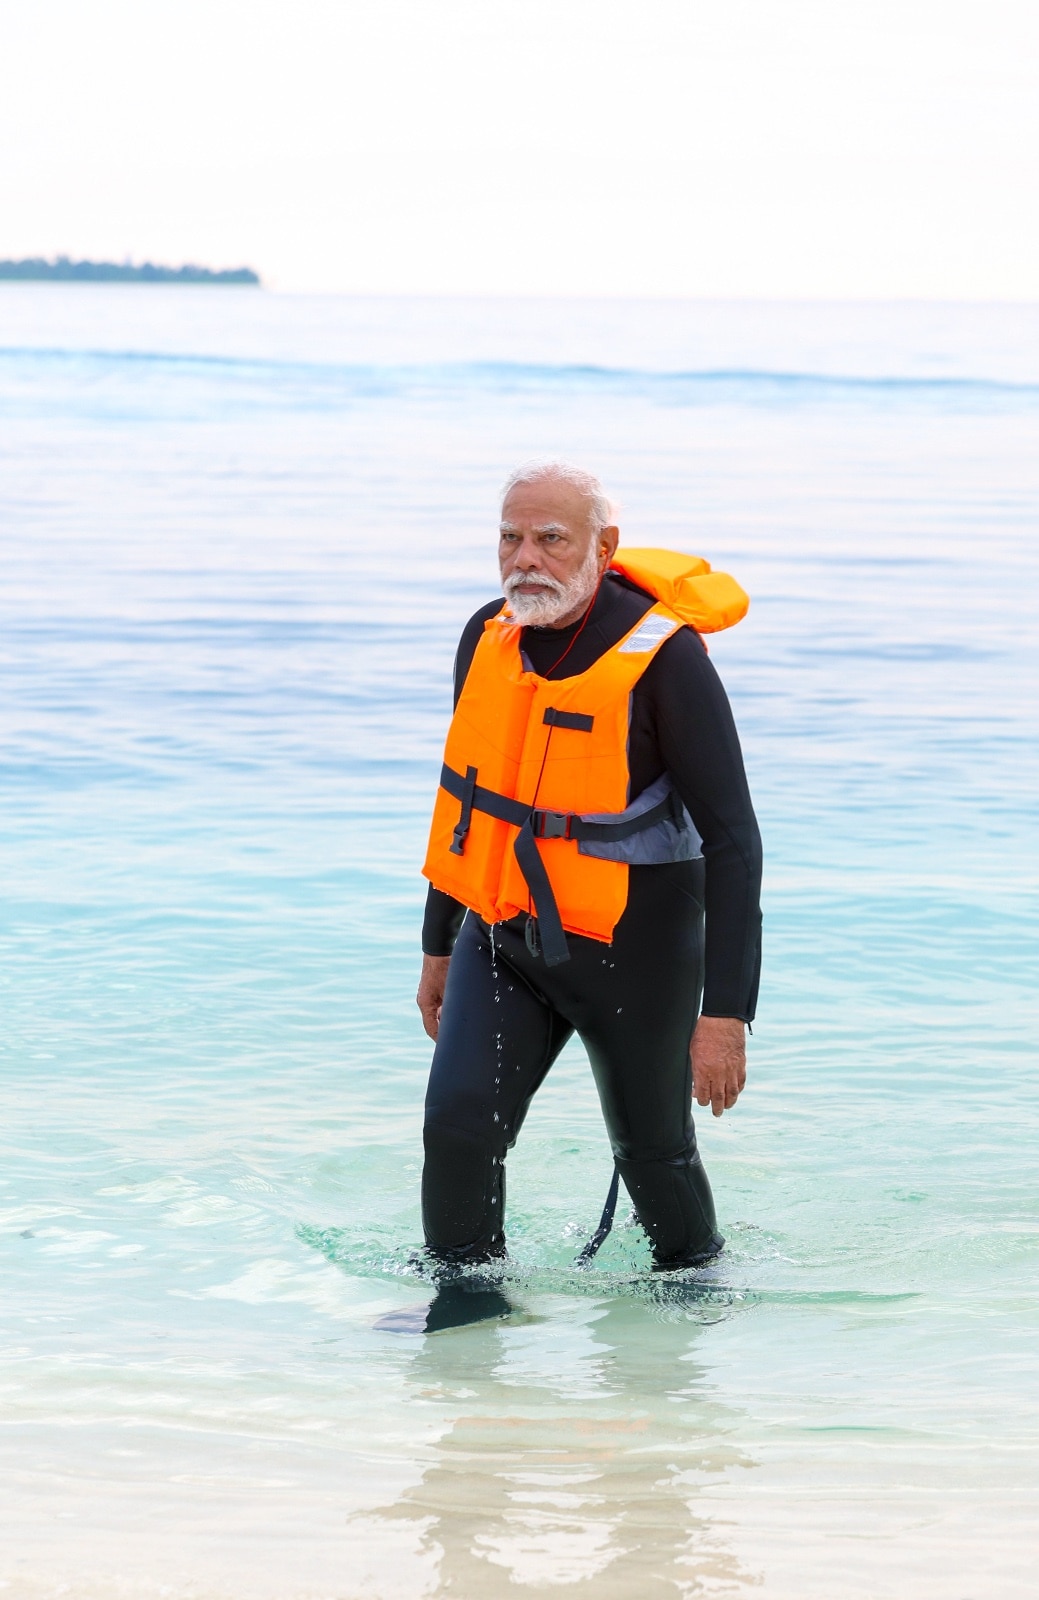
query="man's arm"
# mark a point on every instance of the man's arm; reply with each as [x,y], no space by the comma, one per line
[700,747]
[698,744]
[444,914]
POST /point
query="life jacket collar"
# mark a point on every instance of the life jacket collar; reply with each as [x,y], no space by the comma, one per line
[705,600]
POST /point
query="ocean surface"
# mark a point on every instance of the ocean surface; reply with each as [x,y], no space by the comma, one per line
[239,534]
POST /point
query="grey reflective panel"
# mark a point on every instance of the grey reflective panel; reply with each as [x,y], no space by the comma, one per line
[665,841]
[662,843]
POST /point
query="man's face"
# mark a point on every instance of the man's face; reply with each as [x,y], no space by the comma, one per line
[550,552]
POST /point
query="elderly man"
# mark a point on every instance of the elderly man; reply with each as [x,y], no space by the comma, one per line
[593,806]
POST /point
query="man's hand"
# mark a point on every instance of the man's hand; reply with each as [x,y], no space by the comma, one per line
[719,1057]
[430,995]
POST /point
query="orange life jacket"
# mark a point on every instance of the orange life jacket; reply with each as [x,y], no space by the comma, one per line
[533,810]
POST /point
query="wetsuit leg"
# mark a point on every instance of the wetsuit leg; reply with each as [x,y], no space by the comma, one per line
[497,1040]
[646,1094]
[634,1004]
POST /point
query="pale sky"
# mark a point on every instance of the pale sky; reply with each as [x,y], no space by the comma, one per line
[767,148]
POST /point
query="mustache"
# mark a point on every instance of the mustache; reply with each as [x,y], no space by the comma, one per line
[519,580]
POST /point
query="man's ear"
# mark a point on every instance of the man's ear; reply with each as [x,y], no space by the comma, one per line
[608,540]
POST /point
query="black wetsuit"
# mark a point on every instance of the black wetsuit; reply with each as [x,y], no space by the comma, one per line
[634,1002]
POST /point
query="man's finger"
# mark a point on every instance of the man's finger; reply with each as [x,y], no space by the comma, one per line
[430,1013]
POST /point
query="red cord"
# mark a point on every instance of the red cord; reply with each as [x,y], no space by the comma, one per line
[591,607]
[552,668]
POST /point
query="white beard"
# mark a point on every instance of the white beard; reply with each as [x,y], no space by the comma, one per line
[555,600]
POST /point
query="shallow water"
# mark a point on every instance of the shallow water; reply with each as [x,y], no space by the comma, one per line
[240,535]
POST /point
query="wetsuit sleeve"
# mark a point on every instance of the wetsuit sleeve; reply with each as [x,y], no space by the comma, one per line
[443,914]
[468,642]
[440,925]
[700,747]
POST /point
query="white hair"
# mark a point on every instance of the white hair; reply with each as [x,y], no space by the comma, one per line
[593,491]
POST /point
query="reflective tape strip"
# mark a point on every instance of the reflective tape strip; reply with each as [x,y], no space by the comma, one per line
[652,632]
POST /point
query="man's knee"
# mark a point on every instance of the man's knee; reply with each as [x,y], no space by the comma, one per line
[655,1143]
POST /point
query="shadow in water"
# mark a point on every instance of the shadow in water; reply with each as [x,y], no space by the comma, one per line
[454,1305]
[576,1449]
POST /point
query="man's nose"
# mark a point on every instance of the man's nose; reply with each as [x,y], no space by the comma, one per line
[528,557]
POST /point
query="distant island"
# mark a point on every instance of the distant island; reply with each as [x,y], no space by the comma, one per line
[62,270]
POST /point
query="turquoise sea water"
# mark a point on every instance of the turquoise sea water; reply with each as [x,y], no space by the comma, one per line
[240,534]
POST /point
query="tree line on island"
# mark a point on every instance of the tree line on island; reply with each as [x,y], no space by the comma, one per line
[35,269]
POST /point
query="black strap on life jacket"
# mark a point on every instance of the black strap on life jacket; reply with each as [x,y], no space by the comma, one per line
[578,721]
[533,824]
[554,947]
[605,1222]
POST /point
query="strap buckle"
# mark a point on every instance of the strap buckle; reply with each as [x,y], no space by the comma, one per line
[457,845]
[551,824]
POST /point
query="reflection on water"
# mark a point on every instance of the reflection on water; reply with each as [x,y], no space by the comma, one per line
[585,1473]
